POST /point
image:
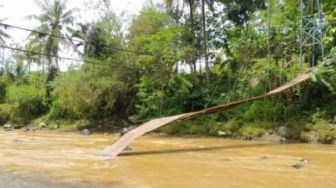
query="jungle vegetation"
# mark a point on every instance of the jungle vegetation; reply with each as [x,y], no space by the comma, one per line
[178,56]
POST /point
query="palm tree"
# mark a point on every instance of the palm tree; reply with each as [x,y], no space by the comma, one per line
[33,48]
[56,20]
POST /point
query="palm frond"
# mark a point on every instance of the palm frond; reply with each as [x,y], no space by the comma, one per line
[42,4]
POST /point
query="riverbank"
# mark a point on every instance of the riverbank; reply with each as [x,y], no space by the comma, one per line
[290,132]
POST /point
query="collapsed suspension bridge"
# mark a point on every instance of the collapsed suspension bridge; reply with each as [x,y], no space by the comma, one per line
[116,148]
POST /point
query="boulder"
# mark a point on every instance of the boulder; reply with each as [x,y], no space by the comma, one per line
[312,137]
[282,131]
[271,138]
[55,126]
[126,129]
[28,129]
[283,140]
[86,132]
[221,133]
[249,137]
[43,125]
[134,119]
[7,126]
[333,126]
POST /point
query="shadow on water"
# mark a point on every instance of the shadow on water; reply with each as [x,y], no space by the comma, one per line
[198,149]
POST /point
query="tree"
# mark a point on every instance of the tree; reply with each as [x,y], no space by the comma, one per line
[192,7]
[32,48]
[205,36]
[330,25]
[55,19]
[173,9]
[240,12]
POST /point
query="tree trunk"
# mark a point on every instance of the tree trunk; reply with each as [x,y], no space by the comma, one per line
[246,52]
[192,31]
[269,33]
[205,42]
[55,53]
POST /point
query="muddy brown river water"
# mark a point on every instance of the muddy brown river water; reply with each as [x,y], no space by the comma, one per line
[68,160]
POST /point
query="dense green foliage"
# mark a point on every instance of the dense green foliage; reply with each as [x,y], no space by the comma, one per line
[156,69]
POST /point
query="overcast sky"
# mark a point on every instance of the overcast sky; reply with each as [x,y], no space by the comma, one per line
[15,13]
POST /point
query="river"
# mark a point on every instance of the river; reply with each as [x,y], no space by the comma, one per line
[68,160]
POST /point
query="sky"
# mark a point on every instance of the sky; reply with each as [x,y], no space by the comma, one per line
[15,13]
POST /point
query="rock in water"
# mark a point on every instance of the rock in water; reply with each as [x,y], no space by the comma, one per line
[17,140]
[305,161]
[297,166]
[128,149]
[86,132]
[226,159]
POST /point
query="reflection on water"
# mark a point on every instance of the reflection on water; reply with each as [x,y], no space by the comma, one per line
[165,162]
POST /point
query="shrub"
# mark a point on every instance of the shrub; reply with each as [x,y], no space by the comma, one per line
[213,129]
[252,130]
[2,92]
[263,110]
[326,134]
[175,129]
[5,111]
[26,103]
[198,129]
[294,128]
[58,112]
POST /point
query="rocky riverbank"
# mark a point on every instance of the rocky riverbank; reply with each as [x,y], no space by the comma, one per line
[324,133]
